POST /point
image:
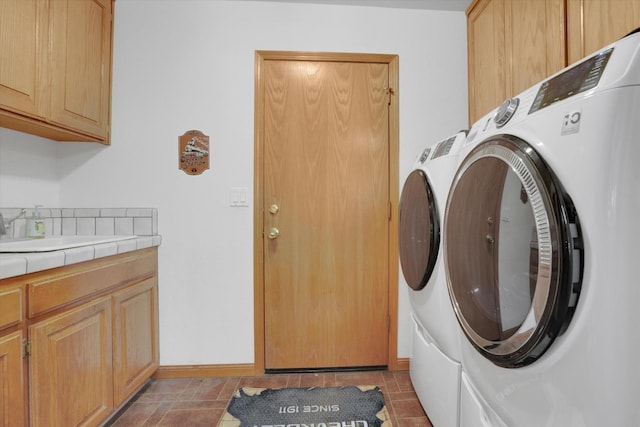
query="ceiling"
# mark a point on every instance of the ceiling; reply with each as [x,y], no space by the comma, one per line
[453,5]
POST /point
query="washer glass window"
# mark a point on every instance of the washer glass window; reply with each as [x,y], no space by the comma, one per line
[512,240]
[419,234]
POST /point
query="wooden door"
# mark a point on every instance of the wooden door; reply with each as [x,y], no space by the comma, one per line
[326,207]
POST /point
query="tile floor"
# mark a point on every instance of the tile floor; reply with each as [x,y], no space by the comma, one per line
[193,402]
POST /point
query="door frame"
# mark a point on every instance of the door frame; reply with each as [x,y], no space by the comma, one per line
[258,197]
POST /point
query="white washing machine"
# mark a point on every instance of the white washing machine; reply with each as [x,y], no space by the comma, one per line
[540,242]
[435,356]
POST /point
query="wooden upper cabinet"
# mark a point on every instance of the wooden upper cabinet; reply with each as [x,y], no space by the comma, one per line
[511,45]
[487,57]
[593,24]
[55,68]
[81,65]
[22,56]
[535,41]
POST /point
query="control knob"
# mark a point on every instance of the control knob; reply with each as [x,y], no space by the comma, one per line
[506,111]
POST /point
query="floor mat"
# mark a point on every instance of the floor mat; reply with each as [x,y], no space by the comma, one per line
[352,406]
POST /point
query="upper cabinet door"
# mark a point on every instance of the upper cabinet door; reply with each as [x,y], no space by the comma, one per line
[535,41]
[487,56]
[593,24]
[81,65]
[23,58]
[511,46]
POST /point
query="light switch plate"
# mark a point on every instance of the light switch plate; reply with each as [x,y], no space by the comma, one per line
[239,197]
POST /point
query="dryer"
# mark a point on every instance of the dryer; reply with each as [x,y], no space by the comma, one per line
[540,246]
[435,355]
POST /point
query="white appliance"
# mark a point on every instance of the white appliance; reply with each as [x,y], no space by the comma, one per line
[435,356]
[540,243]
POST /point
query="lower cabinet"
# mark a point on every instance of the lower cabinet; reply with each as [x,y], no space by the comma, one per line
[71,367]
[13,366]
[135,337]
[89,340]
[13,406]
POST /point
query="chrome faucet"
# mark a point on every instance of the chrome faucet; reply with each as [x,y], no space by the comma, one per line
[4,225]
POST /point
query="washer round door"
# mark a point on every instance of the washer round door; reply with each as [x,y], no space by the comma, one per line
[419,230]
[513,252]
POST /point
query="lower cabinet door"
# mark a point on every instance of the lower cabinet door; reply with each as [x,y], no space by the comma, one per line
[71,367]
[12,382]
[135,337]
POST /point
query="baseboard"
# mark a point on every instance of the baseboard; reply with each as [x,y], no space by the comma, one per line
[402,364]
[197,371]
[237,370]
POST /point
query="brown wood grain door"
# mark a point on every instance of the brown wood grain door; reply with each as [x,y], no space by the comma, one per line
[326,214]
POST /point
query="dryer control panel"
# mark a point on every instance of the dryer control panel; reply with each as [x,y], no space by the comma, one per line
[573,81]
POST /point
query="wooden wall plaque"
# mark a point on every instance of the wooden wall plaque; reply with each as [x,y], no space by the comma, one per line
[193,152]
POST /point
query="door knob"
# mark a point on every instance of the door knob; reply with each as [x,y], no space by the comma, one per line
[274,233]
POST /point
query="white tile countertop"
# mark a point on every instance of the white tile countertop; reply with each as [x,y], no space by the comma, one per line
[139,223]
[17,264]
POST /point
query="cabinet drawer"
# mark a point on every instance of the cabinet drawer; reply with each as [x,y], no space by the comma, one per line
[74,284]
[11,306]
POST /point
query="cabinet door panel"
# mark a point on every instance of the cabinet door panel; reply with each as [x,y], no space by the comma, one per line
[135,337]
[486,49]
[535,42]
[12,386]
[22,58]
[81,64]
[511,45]
[71,367]
[593,24]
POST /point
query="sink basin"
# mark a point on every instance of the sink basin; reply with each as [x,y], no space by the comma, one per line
[56,243]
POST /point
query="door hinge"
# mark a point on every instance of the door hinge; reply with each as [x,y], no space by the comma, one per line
[390,210]
[388,323]
[390,92]
[26,348]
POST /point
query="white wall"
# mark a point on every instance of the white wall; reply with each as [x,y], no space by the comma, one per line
[182,65]
[29,171]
